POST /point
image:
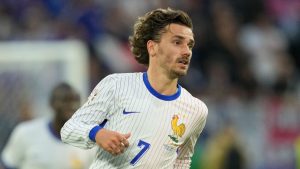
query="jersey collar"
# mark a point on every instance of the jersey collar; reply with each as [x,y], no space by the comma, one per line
[51,129]
[158,95]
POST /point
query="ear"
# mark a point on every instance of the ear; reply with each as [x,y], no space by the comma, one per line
[151,46]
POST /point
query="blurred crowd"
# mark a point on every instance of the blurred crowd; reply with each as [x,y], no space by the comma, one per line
[245,66]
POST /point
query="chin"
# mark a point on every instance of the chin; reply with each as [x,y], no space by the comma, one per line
[178,74]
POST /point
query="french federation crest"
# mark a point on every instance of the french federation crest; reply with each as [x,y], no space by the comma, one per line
[178,129]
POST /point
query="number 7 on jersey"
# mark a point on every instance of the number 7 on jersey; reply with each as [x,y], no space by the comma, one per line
[145,146]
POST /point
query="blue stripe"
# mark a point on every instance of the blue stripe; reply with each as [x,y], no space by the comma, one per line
[158,95]
[94,130]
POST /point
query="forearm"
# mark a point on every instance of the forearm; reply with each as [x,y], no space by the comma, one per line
[76,133]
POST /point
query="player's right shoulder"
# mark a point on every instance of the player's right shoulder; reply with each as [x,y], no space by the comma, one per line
[108,80]
[112,77]
[124,75]
[116,77]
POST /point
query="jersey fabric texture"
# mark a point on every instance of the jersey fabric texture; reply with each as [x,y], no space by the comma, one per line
[164,129]
[33,145]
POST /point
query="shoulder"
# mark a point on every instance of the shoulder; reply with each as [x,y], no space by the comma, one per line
[124,76]
[121,77]
[29,127]
[32,124]
[195,102]
[113,81]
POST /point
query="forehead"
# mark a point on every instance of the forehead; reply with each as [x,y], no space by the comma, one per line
[180,30]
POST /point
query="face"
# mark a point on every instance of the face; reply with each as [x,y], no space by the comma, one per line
[173,53]
[65,105]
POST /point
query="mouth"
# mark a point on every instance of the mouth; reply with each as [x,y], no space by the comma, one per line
[184,62]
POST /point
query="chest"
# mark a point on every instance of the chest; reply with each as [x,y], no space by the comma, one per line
[50,154]
[149,118]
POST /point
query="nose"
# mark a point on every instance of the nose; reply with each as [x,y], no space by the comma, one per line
[186,51]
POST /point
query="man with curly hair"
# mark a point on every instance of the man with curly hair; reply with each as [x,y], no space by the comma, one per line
[144,119]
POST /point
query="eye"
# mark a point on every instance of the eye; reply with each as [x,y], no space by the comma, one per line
[177,42]
[191,45]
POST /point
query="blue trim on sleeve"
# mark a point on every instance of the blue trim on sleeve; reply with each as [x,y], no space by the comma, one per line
[158,95]
[103,123]
[93,132]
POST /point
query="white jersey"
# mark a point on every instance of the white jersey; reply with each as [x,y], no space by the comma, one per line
[164,129]
[32,145]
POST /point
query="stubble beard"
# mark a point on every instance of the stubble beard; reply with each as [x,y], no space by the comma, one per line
[176,74]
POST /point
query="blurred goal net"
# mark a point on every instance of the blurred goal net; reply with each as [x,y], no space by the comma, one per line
[28,72]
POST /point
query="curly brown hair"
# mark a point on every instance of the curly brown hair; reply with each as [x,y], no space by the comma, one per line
[151,26]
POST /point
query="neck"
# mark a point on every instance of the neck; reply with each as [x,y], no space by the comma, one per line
[161,82]
[56,128]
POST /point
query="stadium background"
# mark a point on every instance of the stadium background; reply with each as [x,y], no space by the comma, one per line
[245,66]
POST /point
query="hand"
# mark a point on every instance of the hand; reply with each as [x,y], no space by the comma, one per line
[111,141]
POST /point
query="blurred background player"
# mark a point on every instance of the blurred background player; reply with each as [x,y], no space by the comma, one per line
[36,144]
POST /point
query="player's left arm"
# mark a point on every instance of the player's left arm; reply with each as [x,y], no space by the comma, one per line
[186,151]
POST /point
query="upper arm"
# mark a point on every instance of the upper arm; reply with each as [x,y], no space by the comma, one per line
[76,131]
[99,103]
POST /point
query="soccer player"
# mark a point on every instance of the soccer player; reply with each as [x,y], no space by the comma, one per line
[36,144]
[151,121]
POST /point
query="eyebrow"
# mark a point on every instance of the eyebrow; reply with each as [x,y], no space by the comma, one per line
[192,42]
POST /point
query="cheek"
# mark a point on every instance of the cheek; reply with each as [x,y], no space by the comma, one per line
[168,56]
[171,61]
